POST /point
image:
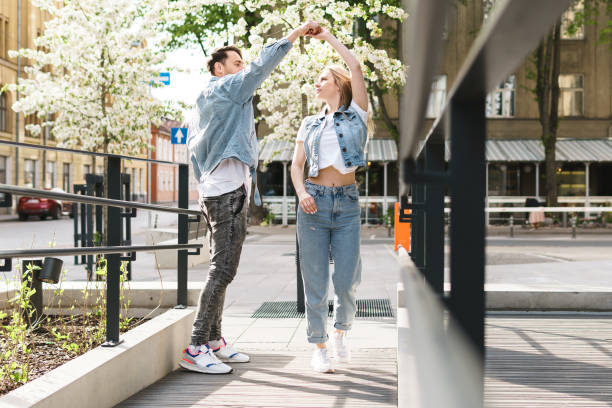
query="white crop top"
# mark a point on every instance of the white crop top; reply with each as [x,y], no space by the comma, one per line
[329,148]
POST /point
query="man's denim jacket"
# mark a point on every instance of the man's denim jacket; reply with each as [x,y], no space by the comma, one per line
[222,125]
[352,138]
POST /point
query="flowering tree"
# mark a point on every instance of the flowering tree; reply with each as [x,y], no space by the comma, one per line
[90,74]
[286,96]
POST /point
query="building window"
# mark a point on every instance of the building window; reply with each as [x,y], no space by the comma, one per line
[29,173]
[500,102]
[437,96]
[571,179]
[134,186]
[141,181]
[571,95]
[3,117]
[571,29]
[66,177]
[50,177]
[3,169]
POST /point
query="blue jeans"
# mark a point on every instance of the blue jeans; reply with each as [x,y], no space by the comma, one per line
[334,227]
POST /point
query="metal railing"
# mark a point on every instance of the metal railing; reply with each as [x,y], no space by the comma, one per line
[115,251]
[511,31]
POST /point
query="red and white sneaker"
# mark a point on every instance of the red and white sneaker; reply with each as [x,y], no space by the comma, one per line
[203,360]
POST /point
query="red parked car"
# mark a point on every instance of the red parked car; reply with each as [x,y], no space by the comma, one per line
[43,207]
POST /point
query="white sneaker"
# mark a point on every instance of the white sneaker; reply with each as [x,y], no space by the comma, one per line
[204,361]
[320,362]
[341,348]
[225,352]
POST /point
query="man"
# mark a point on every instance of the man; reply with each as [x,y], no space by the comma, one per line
[223,149]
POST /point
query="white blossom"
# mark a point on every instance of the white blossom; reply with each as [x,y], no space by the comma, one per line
[91,71]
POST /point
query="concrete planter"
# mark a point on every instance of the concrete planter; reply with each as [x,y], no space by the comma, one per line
[103,377]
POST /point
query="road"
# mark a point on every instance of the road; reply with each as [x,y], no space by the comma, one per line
[524,249]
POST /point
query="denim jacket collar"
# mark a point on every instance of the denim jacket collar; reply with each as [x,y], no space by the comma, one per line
[343,109]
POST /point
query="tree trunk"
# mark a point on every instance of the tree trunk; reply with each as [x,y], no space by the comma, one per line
[547,93]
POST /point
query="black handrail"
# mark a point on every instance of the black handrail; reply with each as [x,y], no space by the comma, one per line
[79,198]
[512,30]
[38,252]
[88,153]
[114,225]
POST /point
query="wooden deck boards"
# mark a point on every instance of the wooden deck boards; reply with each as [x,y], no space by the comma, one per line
[280,379]
[532,361]
[551,362]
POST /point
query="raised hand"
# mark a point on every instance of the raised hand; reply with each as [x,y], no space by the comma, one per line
[310,28]
[321,34]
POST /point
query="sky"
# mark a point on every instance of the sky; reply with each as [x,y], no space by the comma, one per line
[184,86]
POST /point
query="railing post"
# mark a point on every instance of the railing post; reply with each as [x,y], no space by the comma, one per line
[301,306]
[434,215]
[113,261]
[417,239]
[183,233]
[467,230]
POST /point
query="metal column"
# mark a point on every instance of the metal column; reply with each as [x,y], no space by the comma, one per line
[434,217]
[466,123]
[587,196]
[113,261]
[285,222]
[301,306]
[417,238]
[183,232]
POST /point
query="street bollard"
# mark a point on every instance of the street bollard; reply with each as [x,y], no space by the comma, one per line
[574,227]
[511,226]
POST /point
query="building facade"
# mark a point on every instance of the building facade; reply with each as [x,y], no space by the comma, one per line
[33,167]
[515,156]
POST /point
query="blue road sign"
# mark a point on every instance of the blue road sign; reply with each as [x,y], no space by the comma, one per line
[178,135]
[164,78]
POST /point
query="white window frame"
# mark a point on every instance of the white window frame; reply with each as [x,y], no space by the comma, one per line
[437,97]
[506,94]
[66,176]
[52,173]
[565,91]
[26,164]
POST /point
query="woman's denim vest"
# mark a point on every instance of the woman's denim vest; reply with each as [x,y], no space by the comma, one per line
[351,133]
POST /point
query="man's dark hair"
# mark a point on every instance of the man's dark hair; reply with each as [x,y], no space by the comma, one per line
[220,55]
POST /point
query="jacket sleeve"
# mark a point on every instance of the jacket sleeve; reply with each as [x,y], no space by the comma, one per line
[242,85]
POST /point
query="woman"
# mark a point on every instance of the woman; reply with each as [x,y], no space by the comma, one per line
[328,218]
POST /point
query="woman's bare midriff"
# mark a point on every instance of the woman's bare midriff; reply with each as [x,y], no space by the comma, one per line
[331,177]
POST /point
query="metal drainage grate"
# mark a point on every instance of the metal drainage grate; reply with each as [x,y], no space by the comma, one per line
[365,308]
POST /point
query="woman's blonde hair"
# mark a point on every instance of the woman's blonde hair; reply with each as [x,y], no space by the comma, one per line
[342,78]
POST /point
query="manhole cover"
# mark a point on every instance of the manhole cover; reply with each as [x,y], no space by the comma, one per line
[288,309]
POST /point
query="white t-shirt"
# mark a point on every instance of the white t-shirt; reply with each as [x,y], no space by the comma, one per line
[329,148]
[229,175]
